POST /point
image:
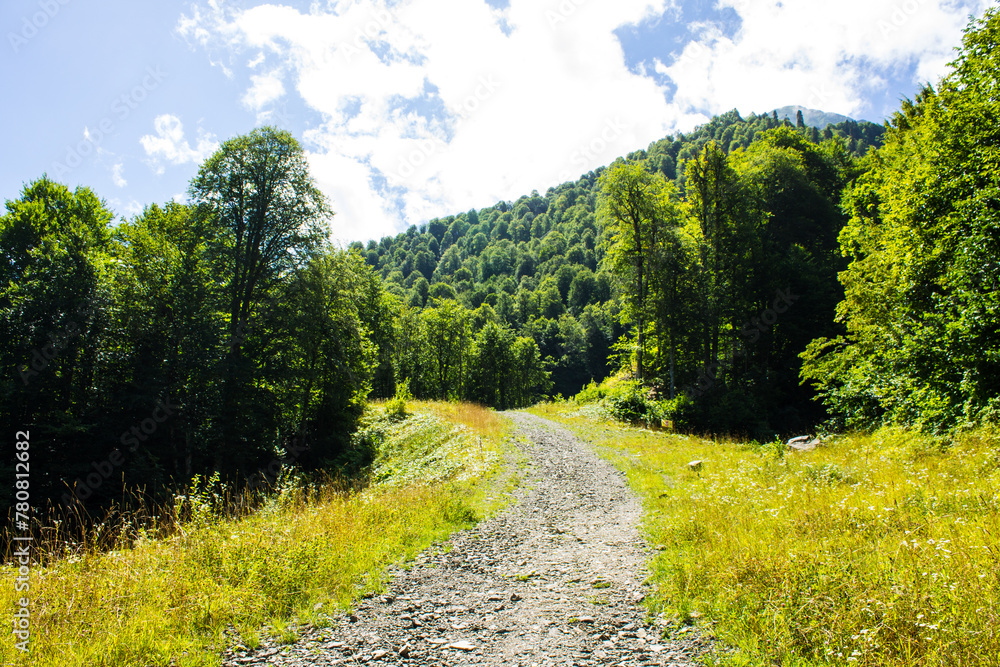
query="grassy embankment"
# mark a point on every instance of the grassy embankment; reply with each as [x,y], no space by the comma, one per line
[880,549]
[306,553]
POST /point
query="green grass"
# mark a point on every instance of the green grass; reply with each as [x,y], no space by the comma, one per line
[307,553]
[879,549]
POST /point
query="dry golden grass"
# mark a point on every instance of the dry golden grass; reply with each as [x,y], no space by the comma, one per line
[482,420]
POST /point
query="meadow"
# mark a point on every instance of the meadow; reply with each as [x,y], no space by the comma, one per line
[873,549]
[201,580]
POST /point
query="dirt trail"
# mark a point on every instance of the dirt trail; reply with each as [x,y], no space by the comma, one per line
[554,579]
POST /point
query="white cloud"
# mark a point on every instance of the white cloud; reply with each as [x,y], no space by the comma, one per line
[129,208]
[805,52]
[169,145]
[430,107]
[116,175]
[266,88]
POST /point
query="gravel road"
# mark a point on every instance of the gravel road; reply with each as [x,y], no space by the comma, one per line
[554,579]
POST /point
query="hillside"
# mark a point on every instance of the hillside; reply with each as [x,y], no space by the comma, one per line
[536,265]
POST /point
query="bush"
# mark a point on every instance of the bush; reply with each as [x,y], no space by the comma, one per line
[591,393]
[719,411]
[395,408]
[630,402]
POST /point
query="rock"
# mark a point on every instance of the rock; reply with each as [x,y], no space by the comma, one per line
[462,646]
[803,443]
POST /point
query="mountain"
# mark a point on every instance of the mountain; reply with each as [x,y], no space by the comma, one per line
[812,117]
[535,264]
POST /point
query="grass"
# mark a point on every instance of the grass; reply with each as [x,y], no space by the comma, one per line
[310,551]
[879,549]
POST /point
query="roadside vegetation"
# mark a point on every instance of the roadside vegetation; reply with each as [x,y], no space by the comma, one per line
[874,549]
[195,580]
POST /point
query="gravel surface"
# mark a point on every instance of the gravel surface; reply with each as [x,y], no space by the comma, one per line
[554,579]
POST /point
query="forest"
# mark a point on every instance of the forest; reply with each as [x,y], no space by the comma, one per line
[754,277]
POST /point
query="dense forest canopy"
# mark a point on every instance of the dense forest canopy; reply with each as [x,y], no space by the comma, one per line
[550,267]
[736,273]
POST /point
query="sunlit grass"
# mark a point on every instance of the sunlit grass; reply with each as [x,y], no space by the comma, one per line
[878,549]
[307,552]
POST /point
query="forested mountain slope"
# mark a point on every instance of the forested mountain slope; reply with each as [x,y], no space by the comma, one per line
[536,266]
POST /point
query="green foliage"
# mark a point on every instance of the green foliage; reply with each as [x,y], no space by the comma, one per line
[723,284]
[873,549]
[539,259]
[921,307]
[223,337]
[395,408]
[634,407]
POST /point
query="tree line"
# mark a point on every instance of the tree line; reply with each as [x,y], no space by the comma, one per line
[726,279]
[738,272]
[223,334]
[781,268]
[539,263]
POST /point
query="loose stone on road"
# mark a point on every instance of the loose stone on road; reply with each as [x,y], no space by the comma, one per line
[553,579]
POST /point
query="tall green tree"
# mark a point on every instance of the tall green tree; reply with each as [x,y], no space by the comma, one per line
[54,298]
[636,205]
[330,357]
[272,216]
[922,303]
[448,341]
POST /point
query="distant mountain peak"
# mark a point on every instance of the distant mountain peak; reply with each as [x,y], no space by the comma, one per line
[811,117]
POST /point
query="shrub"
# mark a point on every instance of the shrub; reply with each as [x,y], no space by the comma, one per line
[630,402]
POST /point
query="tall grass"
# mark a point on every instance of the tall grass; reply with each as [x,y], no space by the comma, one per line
[181,594]
[879,549]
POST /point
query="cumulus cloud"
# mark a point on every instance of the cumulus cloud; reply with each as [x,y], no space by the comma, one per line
[808,53]
[433,106]
[428,107]
[169,145]
[265,89]
[116,175]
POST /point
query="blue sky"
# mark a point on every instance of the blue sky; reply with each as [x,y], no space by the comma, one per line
[418,108]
